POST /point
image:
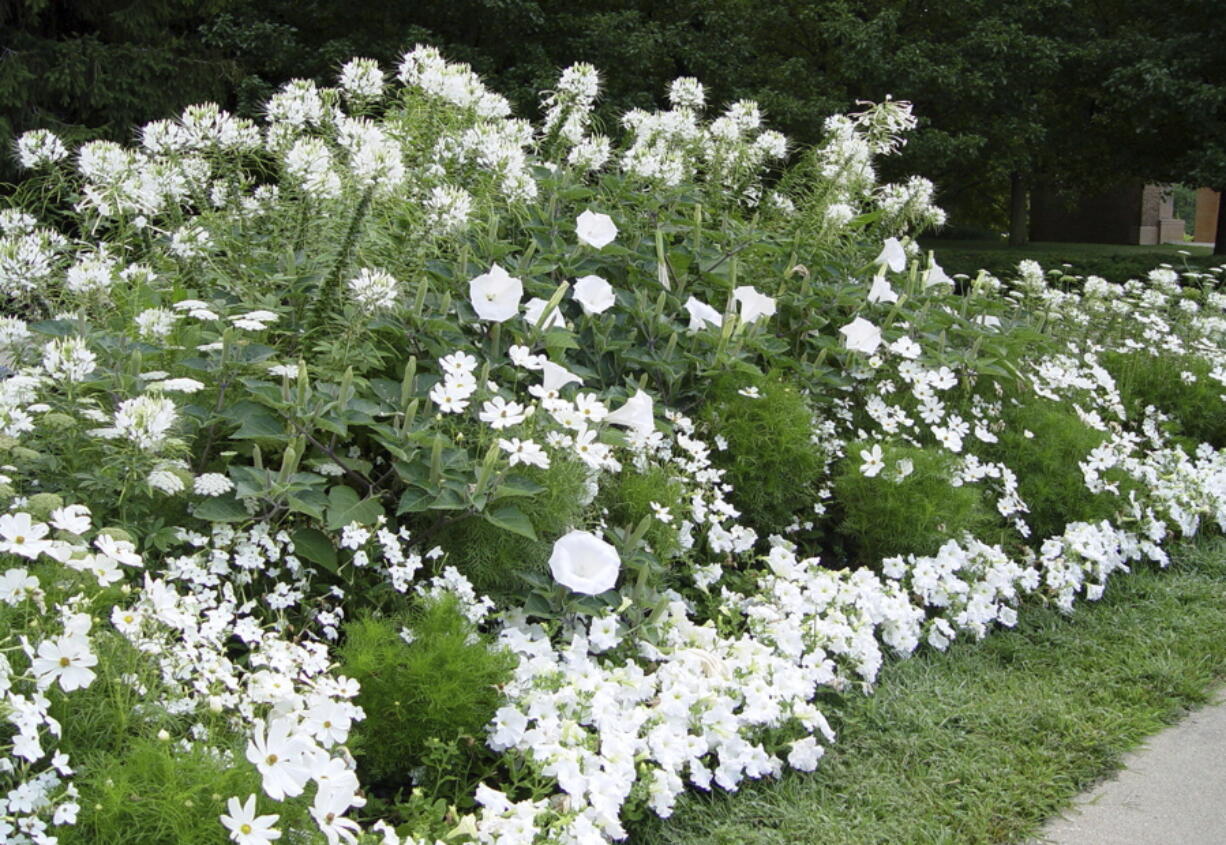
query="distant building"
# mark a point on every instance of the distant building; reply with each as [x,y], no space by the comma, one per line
[1130,213]
[1206,216]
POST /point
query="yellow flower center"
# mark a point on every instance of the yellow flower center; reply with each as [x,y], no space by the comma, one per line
[244,828]
[64,661]
[271,759]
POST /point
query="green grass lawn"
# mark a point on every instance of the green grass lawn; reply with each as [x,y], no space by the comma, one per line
[1114,262]
[984,742]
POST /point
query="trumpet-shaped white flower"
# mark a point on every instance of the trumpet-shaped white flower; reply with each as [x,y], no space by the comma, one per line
[892,255]
[584,563]
[861,336]
[754,304]
[594,229]
[534,309]
[594,294]
[702,315]
[636,414]
[881,290]
[936,275]
[495,295]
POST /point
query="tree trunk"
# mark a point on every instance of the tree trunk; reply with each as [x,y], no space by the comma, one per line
[1019,219]
[1219,239]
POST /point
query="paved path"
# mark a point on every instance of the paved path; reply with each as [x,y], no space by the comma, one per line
[1172,791]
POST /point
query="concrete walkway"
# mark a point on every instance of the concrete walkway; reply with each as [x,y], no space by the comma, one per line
[1172,791]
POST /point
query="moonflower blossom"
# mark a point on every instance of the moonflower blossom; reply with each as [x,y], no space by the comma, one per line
[702,315]
[936,275]
[594,294]
[534,309]
[862,336]
[892,255]
[495,295]
[595,230]
[881,290]
[754,304]
[584,563]
[636,414]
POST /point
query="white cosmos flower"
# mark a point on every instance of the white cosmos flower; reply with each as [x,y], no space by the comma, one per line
[279,755]
[596,230]
[636,414]
[754,304]
[862,336]
[881,290]
[584,563]
[702,315]
[495,295]
[873,462]
[246,828]
[892,255]
[66,660]
[594,294]
[21,535]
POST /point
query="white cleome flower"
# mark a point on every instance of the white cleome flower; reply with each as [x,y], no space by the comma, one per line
[584,563]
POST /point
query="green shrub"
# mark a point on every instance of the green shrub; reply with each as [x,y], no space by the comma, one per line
[886,515]
[152,791]
[490,556]
[441,682]
[629,495]
[1046,464]
[770,460]
[1196,408]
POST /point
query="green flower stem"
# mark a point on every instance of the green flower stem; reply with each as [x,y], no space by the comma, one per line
[330,288]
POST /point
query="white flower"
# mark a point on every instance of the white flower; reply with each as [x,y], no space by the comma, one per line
[534,309]
[246,828]
[636,414]
[521,356]
[881,290]
[905,467]
[596,230]
[804,754]
[936,276]
[754,305]
[66,660]
[702,315]
[862,336]
[16,585]
[495,295]
[212,484]
[873,462]
[21,535]
[892,255]
[524,452]
[165,481]
[594,294]
[278,754]
[906,347]
[584,563]
[750,392]
[500,413]
[374,290]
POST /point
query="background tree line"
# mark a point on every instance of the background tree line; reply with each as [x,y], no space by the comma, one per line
[1074,94]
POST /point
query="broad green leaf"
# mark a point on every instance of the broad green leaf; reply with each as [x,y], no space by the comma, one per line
[511,518]
[314,545]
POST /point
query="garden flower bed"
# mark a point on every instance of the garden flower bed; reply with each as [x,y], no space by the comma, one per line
[399,470]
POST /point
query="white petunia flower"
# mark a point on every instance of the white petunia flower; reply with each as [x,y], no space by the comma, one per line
[861,336]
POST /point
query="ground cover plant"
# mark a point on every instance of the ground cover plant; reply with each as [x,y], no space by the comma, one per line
[396,386]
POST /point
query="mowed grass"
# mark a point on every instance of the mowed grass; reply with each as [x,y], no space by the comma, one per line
[983,743]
